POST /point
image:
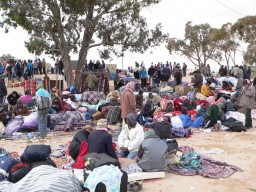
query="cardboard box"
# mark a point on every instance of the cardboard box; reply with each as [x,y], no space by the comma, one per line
[182,90]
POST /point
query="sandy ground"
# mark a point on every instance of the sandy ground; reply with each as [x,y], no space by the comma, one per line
[239,150]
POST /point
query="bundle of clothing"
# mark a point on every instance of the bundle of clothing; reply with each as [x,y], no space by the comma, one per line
[192,163]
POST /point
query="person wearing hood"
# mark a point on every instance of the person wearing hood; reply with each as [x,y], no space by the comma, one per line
[128,100]
[150,157]
[247,101]
[130,137]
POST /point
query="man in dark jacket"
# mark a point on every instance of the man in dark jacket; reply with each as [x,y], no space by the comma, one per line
[198,82]
[80,136]
[151,72]
[3,90]
[100,141]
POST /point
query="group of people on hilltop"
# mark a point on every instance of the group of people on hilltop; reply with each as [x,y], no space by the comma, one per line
[15,69]
[160,73]
[94,65]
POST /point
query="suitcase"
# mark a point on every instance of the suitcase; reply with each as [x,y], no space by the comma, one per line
[163,129]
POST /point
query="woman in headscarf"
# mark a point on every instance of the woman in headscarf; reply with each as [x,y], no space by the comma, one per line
[152,158]
[128,100]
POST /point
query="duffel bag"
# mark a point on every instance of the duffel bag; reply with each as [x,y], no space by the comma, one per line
[114,114]
[20,170]
[94,160]
[35,153]
[163,129]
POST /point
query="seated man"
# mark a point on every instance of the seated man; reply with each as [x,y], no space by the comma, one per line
[147,110]
[130,138]
[154,98]
[139,99]
[150,157]
[205,89]
[100,141]
[13,98]
[20,109]
[25,98]
[80,136]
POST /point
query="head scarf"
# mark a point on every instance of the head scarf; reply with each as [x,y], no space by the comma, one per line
[210,100]
[43,93]
[130,86]
[148,133]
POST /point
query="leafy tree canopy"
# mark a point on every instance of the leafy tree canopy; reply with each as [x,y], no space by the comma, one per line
[59,27]
[197,45]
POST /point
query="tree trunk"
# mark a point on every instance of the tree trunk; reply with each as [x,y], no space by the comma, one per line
[67,69]
[79,70]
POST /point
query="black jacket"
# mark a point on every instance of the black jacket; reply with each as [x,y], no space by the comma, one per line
[74,148]
[100,141]
[151,71]
[3,90]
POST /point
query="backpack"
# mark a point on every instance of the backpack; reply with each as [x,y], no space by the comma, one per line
[163,129]
[20,170]
[94,160]
[43,102]
[234,125]
[114,114]
[9,68]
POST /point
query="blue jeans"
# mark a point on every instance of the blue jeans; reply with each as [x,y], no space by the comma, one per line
[130,155]
[42,122]
[52,111]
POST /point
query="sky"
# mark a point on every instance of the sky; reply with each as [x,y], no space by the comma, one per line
[173,14]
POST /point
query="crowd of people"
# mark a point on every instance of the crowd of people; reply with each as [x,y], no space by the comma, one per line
[139,113]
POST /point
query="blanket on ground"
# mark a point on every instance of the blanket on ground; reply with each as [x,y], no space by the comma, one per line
[44,178]
[192,163]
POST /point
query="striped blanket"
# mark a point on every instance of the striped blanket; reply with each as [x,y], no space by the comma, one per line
[44,178]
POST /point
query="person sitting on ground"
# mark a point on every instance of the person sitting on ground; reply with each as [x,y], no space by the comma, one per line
[80,136]
[130,138]
[202,111]
[100,141]
[205,89]
[139,99]
[147,110]
[226,85]
[154,98]
[25,98]
[20,109]
[13,98]
[211,117]
[150,157]
[186,119]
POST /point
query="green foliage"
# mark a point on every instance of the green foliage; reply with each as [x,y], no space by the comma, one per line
[59,27]
[197,45]
[245,28]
